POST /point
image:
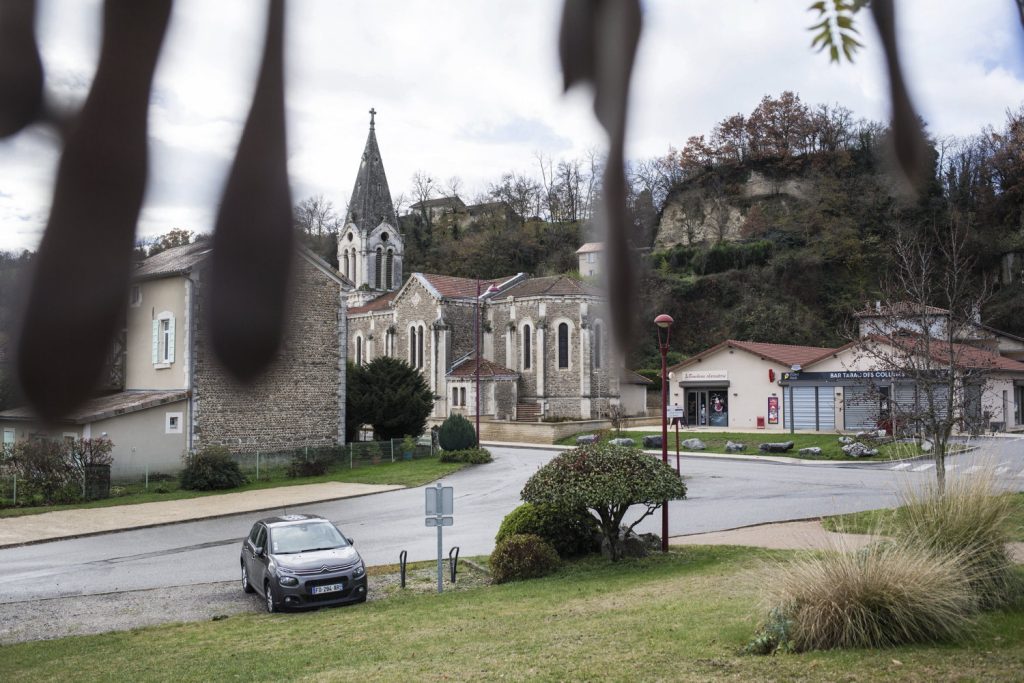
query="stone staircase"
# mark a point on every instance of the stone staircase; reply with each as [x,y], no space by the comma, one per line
[527,412]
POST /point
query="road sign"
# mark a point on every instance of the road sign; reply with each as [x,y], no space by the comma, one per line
[440,505]
[440,500]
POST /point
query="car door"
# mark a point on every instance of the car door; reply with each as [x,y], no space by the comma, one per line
[259,562]
[248,551]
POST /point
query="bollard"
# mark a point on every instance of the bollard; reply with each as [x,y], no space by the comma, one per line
[147,474]
[350,455]
[257,465]
[402,557]
[453,562]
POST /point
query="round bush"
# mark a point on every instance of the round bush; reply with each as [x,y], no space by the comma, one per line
[456,433]
[570,532]
[522,556]
[211,468]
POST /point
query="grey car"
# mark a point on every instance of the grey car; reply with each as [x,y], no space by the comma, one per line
[297,561]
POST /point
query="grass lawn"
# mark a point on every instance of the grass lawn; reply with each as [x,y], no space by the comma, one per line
[879,520]
[829,444]
[681,617]
[402,472]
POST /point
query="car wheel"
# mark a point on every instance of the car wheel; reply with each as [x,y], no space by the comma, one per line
[246,586]
[268,595]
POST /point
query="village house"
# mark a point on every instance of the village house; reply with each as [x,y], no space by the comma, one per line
[169,395]
[753,385]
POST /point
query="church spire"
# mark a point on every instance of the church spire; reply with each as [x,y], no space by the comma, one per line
[371,198]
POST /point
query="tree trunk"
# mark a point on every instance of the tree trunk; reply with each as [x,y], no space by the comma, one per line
[940,465]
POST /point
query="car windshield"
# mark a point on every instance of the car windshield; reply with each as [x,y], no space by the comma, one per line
[305,538]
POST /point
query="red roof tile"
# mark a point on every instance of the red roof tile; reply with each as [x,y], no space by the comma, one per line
[786,354]
[964,355]
[379,304]
[451,287]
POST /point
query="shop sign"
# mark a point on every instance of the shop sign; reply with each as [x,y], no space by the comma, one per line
[840,375]
[705,376]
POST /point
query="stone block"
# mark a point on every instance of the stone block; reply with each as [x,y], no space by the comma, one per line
[776,447]
[694,445]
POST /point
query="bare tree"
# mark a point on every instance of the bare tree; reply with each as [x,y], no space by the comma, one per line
[315,216]
[925,334]
[424,188]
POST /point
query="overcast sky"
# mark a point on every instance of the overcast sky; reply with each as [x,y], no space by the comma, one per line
[471,89]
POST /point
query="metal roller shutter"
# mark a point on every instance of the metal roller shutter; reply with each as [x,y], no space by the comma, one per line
[802,408]
[861,408]
[826,408]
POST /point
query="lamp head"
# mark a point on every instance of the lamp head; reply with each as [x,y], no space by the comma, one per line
[664,321]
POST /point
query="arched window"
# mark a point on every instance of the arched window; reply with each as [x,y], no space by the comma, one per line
[378,263]
[359,350]
[412,346]
[597,345]
[419,348]
[343,262]
[389,268]
[527,351]
[563,345]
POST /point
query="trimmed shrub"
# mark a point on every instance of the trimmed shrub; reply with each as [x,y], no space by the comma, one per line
[522,556]
[472,456]
[45,475]
[607,479]
[570,532]
[456,433]
[311,466]
[211,468]
[887,594]
[970,520]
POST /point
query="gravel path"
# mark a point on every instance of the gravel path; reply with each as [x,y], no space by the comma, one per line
[90,614]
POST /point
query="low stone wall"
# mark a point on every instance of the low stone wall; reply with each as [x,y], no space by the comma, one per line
[542,432]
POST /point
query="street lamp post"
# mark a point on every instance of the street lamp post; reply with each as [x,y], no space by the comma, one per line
[476,327]
[664,322]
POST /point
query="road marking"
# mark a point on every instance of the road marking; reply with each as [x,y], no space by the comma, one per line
[972,469]
[902,466]
[1021,473]
[1002,469]
[922,468]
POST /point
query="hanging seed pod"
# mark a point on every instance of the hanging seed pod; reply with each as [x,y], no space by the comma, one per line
[80,283]
[21,70]
[910,145]
[597,44]
[252,243]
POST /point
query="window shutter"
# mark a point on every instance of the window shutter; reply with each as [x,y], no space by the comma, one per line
[170,340]
[156,341]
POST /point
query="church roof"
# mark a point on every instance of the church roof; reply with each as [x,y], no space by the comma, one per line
[379,304]
[488,369]
[451,287]
[371,198]
[554,285]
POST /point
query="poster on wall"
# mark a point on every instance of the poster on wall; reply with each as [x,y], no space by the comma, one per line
[719,413]
[773,410]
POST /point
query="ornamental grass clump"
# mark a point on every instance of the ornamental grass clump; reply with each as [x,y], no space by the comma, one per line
[970,520]
[888,594]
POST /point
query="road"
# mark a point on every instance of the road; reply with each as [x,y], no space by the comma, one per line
[723,494]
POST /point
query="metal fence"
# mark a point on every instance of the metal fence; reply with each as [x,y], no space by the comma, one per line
[257,466]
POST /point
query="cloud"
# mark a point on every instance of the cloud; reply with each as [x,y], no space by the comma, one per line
[472,89]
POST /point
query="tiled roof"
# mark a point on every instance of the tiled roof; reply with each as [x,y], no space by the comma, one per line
[965,355]
[451,287]
[590,246]
[488,370]
[785,354]
[630,377]
[554,285]
[105,407]
[174,260]
[440,201]
[379,304]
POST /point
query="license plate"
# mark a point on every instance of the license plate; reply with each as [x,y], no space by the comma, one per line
[332,588]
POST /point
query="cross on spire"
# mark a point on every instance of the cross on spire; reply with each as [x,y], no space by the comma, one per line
[373,112]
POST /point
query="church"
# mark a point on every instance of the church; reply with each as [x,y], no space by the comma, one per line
[544,346]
